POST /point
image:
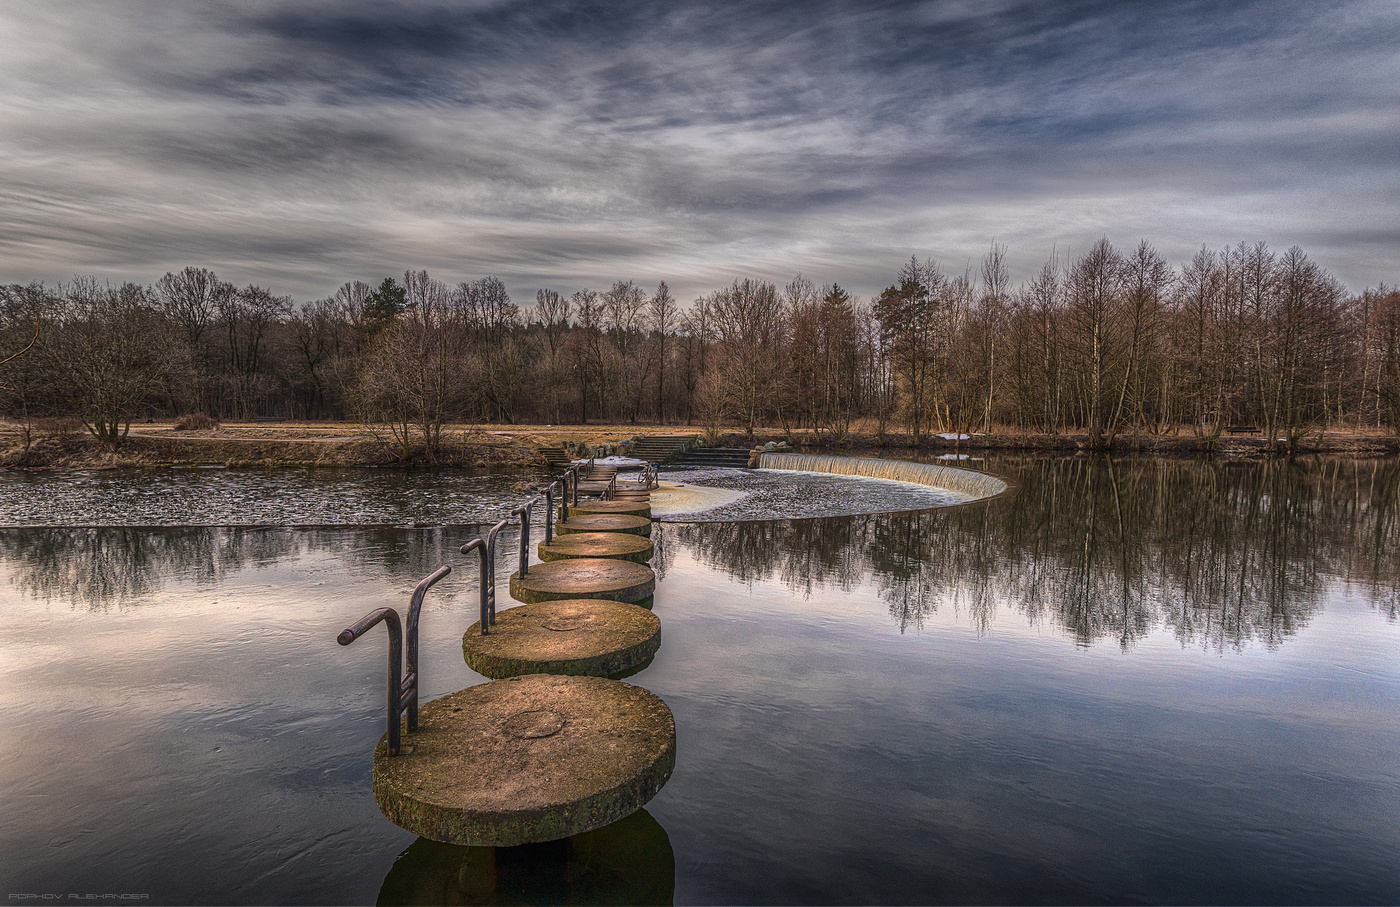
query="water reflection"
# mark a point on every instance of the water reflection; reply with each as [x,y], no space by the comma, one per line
[1222,554]
[627,862]
[102,568]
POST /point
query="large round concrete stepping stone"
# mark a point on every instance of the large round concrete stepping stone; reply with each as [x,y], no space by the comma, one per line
[604,522]
[525,760]
[626,508]
[585,577]
[588,637]
[623,546]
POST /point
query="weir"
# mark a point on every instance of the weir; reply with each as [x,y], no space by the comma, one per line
[976,485]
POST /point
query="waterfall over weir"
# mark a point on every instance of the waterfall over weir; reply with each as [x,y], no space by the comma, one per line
[976,485]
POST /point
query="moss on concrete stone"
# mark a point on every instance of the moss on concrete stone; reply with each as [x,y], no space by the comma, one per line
[604,522]
[584,577]
[627,508]
[470,776]
[622,546]
[592,637]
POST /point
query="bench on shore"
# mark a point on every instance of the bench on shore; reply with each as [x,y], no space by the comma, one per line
[1241,430]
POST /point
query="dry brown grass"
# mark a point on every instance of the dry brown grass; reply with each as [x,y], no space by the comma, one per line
[516,446]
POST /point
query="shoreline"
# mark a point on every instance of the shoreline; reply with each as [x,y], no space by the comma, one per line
[339,444]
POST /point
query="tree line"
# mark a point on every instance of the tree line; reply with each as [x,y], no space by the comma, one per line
[1110,341]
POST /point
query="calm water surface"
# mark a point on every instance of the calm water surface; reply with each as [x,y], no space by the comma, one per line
[1144,681]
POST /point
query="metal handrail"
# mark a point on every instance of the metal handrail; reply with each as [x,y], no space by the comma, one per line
[488,573]
[488,603]
[523,511]
[549,513]
[415,605]
[391,622]
[402,686]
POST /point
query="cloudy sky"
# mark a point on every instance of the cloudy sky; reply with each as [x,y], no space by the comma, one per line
[562,145]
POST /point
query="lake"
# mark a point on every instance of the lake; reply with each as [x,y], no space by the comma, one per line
[1140,680]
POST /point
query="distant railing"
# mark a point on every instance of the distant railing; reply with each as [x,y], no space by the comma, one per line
[486,548]
[403,674]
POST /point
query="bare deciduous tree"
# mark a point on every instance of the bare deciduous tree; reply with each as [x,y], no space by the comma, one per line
[109,353]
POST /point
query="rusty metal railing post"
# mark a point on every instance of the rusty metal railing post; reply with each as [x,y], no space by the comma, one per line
[479,545]
[403,684]
[549,513]
[491,561]
[410,677]
[523,511]
[391,622]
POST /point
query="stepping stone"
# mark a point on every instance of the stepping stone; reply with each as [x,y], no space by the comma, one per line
[588,636]
[585,577]
[620,545]
[629,508]
[526,760]
[604,522]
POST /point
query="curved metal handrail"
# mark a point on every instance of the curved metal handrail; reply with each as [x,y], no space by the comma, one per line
[487,593]
[402,685]
[410,677]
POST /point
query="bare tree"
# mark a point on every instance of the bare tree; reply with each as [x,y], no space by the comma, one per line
[1386,317]
[1146,280]
[1095,301]
[587,339]
[695,338]
[493,322]
[412,377]
[192,300]
[552,314]
[108,355]
[749,325]
[993,305]
[1201,347]
[246,317]
[624,315]
[661,321]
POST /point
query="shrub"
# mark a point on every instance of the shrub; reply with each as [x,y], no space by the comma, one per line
[196,422]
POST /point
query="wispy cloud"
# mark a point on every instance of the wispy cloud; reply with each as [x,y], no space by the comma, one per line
[566,144]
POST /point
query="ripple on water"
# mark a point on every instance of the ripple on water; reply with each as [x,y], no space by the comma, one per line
[237,497]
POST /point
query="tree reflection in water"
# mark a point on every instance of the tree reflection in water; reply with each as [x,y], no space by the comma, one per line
[1222,554]
[103,568]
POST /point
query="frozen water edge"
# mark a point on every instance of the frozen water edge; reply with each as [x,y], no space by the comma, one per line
[675,498]
[769,494]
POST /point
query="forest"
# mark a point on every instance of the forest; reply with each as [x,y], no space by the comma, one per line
[1110,342]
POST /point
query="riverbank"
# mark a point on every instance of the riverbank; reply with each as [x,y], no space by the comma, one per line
[252,444]
[263,444]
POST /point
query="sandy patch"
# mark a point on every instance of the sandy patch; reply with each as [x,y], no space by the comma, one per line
[672,498]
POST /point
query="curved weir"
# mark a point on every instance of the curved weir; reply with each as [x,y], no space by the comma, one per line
[976,485]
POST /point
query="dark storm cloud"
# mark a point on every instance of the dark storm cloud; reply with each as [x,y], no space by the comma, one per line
[569,144]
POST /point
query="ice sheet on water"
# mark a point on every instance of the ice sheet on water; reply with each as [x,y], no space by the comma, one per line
[788,495]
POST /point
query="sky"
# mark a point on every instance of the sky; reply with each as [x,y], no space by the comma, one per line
[298,145]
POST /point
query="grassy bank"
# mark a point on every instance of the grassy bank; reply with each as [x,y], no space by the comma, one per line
[64,445]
